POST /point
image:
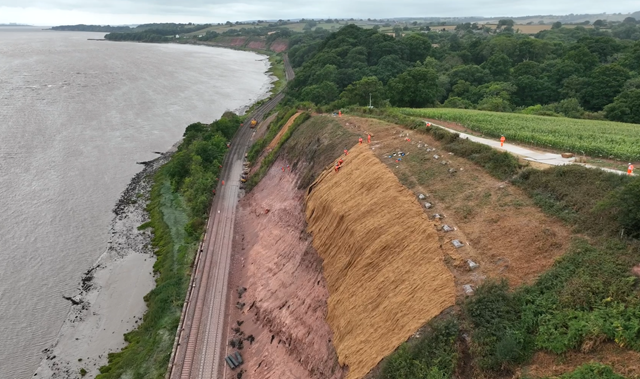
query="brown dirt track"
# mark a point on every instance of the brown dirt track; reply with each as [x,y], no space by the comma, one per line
[282,131]
[382,260]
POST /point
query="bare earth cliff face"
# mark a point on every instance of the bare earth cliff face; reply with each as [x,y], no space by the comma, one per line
[285,304]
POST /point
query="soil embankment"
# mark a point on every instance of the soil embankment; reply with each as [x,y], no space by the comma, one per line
[503,231]
[383,261]
[284,307]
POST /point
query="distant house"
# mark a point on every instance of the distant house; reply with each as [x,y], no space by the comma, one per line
[270,33]
[435,45]
[177,36]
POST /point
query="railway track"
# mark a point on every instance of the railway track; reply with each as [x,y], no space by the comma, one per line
[288,70]
[199,342]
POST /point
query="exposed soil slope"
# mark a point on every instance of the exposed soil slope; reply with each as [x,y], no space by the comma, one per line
[382,259]
[282,131]
[286,298]
[504,232]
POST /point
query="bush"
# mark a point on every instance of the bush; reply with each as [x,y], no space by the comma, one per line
[432,356]
[457,102]
[589,296]
[572,193]
[592,371]
[624,203]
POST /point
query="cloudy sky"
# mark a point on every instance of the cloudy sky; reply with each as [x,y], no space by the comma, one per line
[60,12]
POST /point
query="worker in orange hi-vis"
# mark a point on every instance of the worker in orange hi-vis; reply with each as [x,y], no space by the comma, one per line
[502,141]
[337,167]
[340,162]
[223,182]
[360,140]
[346,152]
[630,169]
[368,138]
[339,113]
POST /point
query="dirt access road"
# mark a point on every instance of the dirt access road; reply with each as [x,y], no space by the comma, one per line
[200,336]
[526,153]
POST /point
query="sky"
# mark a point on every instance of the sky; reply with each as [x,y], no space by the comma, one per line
[120,12]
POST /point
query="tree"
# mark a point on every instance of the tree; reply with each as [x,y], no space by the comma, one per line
[499,66]
[388,67]
[416,88]
[599,23]
[494,104]
[570,108]
[625,107]
[532,90]
[629,20]
[604,84]
[502,23]
[358,92]
[471,73]
[556,25]
[416,47]
[323,93]
[457,102]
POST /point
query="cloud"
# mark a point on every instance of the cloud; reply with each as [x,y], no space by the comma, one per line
[56,12]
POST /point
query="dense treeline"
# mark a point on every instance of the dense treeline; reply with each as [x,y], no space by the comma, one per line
[194,168]
[155,32]
[578,72]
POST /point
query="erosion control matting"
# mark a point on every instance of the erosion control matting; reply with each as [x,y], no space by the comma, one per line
[382,259]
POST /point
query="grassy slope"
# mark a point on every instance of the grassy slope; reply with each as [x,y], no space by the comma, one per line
[597,138]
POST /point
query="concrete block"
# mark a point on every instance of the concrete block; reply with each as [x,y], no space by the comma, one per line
[472,265]
[428,205]
[457,244]
[447,228]
[468,289]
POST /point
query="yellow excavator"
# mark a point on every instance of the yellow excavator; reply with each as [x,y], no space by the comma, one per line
[254,123]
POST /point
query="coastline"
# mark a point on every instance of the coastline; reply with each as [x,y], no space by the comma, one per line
[109,300]
[110,297]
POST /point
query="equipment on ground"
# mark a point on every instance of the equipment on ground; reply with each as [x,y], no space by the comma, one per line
[254,123]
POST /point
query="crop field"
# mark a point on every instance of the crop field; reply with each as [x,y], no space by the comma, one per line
[595,138]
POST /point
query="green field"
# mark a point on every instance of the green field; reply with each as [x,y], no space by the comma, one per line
[595,138]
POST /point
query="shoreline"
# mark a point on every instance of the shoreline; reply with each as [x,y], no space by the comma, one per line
[109,300]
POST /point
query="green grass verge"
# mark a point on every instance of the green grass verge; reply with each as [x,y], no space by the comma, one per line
[277,70]
[595,138]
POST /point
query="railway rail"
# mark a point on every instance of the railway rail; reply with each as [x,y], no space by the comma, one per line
[200,339]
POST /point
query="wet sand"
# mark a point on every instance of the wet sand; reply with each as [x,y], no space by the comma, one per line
[109,301]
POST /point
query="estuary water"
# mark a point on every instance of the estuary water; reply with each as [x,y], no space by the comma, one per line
[75,117]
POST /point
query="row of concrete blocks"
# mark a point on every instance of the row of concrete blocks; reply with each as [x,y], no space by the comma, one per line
[233,360]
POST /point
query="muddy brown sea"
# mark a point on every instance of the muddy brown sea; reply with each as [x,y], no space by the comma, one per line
[75,117]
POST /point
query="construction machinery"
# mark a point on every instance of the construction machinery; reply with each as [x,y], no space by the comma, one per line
[254,123]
